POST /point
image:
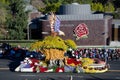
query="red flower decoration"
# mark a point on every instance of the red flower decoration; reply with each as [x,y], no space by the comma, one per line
[42,69]
[60,69]
[73,61]
[81,30]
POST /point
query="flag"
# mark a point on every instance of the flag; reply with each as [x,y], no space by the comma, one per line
[57,25]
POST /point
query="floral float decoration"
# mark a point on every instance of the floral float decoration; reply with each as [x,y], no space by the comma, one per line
[55,25]
[81,31]
[94,65]
[84,65]
[54,49]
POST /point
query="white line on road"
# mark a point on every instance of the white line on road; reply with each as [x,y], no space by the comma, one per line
[113,70]
[27,75]
[75,76]
[4,68]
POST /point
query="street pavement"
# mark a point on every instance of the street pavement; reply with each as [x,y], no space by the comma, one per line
[6,74]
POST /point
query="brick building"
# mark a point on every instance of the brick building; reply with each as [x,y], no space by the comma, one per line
[71,15]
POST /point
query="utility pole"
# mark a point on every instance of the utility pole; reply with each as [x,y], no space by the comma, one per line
[28,31]
[28,27]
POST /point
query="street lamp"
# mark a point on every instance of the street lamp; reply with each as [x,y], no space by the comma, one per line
[28,29]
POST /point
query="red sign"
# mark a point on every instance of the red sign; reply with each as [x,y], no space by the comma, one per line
[81,30]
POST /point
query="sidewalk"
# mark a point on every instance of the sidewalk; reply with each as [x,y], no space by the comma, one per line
[115,43]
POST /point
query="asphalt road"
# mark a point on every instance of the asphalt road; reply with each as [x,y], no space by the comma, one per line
[6,74]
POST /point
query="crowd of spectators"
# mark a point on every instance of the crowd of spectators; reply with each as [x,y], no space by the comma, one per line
[107,54]
[18,52]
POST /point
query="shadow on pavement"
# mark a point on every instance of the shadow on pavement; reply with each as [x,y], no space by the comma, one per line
[13,65]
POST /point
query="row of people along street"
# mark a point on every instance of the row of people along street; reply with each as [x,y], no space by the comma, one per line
[107,54]
[101,53]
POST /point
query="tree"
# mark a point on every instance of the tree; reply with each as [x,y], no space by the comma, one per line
[109,7]
[37,3]
[51,6]
[17,20]
[116,3]
[116,15]
[100,1]
[3,15]
[85,1]
[98,7]
[3,31]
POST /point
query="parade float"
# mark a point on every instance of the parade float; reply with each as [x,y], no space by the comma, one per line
[54,49]
[60,54]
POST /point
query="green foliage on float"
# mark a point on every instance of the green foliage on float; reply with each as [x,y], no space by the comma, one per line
[56,42]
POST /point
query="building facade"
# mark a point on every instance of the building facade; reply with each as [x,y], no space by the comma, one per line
[72,15]
[115,30]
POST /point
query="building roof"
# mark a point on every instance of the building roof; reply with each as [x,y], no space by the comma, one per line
[77,11]
[81,17]
[74,9]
